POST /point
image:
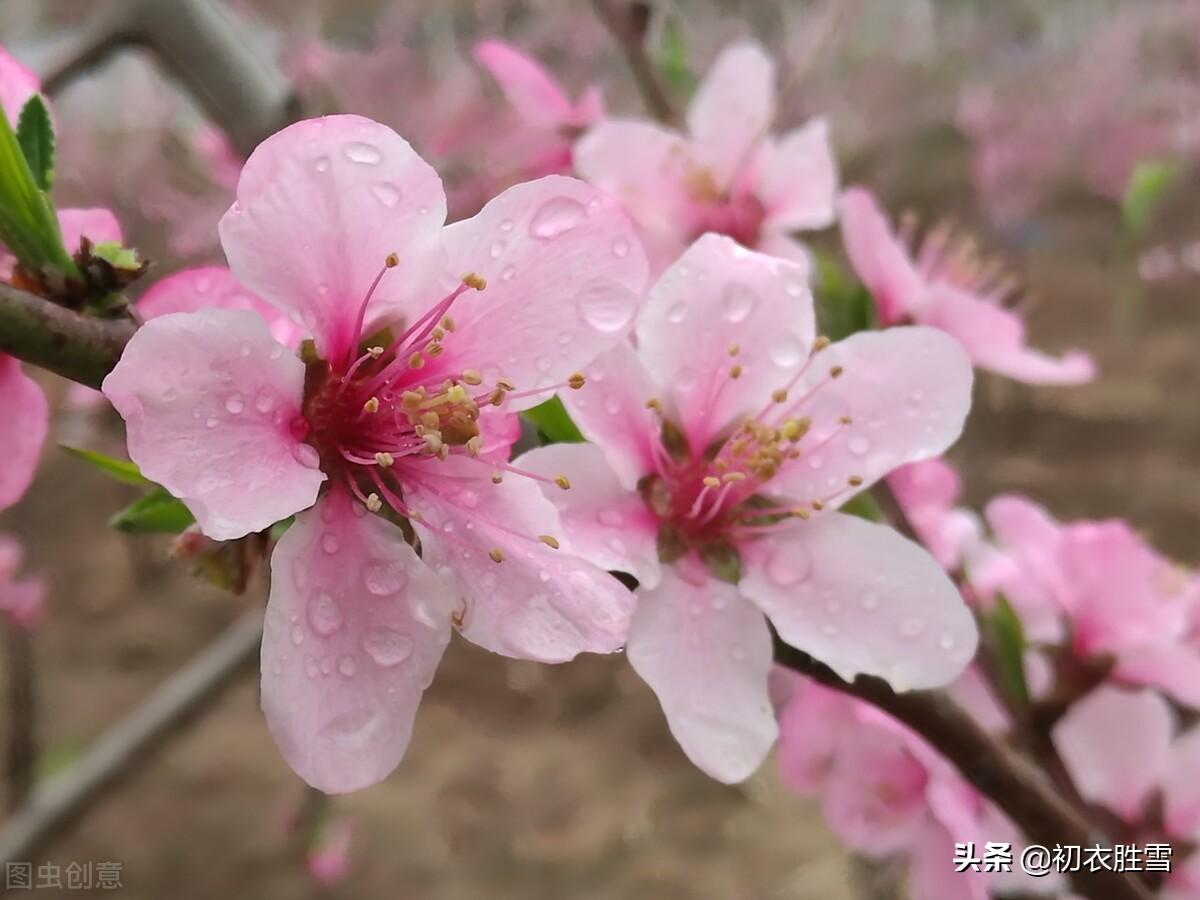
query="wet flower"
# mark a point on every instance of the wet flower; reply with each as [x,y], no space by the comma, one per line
[723,446]
[946,284]
[727,174]
[20,599]
[394,423]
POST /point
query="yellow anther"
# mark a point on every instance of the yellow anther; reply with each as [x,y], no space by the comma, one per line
[497,478]
[456,394]
[371,406]
[734,349]
[803,513]
[655,404]
[375,352]
[576,381]
[563,482]
[818,505]
[820,344]
[433,442]
[779,395]
[735,371]
[710,481]
[439,333]
[374,504]
[794,429]
[497,398]
[384,459]
[430,420]
[855,480]
[549,540]
[474,445]
[734,476]
[472,280]
[448,323]
[392,261]
[505,385]
[496,554]
[836,372]
[416,361]
[846,420]
[411,399]
[436,349]
[471,377]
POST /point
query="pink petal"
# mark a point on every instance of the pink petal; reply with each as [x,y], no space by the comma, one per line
[906,392]
[1181,787]
[531,90]
[811,730]
[17,85]
[706,653]
[23,428]
[99,226]
[213,287]
[1032,538]
[931,874]
[320,205]
[995,339]
[610,410]
[774,243]
[716,297]
[861,598]
[538,603]
[209,401]
[732,109]
[798,180]
[1172,668]
[21,599]
[356,625]
[604,522]
[565,276]
[880,259]
[1115,745]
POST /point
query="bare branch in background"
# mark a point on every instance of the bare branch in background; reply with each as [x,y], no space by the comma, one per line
[21,761]
[627,22]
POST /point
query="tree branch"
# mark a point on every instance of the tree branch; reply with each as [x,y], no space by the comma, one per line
[999,773]
[70,344]
[628,27]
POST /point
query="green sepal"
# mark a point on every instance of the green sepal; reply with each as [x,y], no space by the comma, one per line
[554,422]
[154,513]
[35,134]
[122,470]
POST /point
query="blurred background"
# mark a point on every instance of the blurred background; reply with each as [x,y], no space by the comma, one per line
[1032,125]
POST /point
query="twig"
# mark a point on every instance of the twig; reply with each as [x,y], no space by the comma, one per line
[78,347]
[22,708]
[628,27]
[1004,777]
[183,695]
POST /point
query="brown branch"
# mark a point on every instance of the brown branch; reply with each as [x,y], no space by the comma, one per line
[627,24]
[1010,781]
[70,344]
[22,710]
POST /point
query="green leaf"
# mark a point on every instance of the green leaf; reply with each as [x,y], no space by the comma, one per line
[121,470]
[1148,183]
[28,222]
[554,422]
[35,134]
[1005,637]
[844,307]
[118,257]
[673,60]
[154,513]
[864,506]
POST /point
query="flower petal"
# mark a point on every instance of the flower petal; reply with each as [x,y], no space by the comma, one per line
[878,256]
[611,411]
[213,287]
[604,522]
[798,180]
[995,339]
[861,599]
[717,300]
[706,653]
[209,401]
[1172,668]
[732,109]
[356,625]
[99,226]
[906,392]
[1115,745]
[538,603]
[565,275]
[532,91]
[320,205]
[23,428]
[1181,787]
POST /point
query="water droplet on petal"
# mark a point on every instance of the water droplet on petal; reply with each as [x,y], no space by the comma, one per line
[387,646]
[677,313]
[739,301]
[497,249]
[384,578]
[264,402]
[620,248]
[362,152]
[307,455]
[508,273]
[506,226]
[788,565]
[310,667]
[859,445]
[610,517]
[297,635]
[212,422]
[235,404]
[556,217]
[946,641]
[787,352]
[387,194]
[321,164]
[330,543]
[323,614]
[612,404]
[353,729]
[347,666]
[606,306]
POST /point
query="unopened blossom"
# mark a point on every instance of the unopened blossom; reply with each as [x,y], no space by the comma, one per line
[946,284]
[26,416]
[21,599]
[329,856]
[722,447]
[727,174]
[550,120]
[1114,595]
[423,340]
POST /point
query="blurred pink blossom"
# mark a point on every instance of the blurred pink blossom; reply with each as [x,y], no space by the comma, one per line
[20,599]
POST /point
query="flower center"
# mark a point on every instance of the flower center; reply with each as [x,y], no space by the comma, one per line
[735,213]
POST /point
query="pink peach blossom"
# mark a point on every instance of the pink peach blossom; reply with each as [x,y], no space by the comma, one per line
[946,287]
[726,174]
[722,446]
[542,106]
[21,600]
[425,340]
[929,492]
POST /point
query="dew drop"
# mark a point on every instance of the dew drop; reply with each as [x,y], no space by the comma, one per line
[352,729]
[330,543]
[321,164]
[739,301]
[387,646]
[606,306]
[612,404]
[297,635]
[387,194]
[508,273]
[307,455]
[556,217]
[364,153]
[310,667]
[347,666]
[946,641]
[497,249]
[859,445]
[264,402]
[786,567]
[610,517]
[677,313]
[620,248]
[212,422]
[787,352]
[506,226]
[323,614]
[235,404]
[384,578]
